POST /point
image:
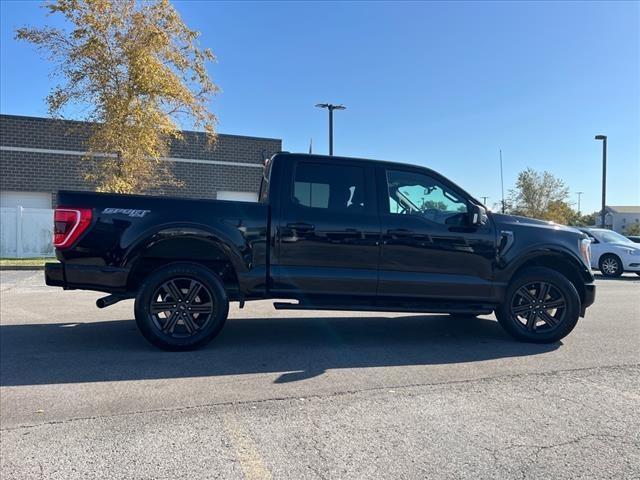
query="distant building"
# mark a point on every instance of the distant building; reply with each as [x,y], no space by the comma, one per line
[620,218]
[39,156]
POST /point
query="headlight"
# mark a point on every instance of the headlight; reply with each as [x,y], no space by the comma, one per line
[585,251]
[632,251]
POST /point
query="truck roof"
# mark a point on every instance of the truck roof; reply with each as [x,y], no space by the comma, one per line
[332,158]
[322,158]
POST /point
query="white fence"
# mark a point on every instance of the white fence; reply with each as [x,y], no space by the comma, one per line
[26,232]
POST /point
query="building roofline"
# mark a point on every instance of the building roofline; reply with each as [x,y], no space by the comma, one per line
[67,120]
[625,208]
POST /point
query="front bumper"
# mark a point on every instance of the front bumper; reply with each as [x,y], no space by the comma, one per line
[632,265]
[86,277]
[589,297]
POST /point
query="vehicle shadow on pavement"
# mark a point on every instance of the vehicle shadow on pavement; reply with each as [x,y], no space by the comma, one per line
[300,348]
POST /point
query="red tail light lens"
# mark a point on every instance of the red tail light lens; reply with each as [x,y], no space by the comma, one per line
[69,224]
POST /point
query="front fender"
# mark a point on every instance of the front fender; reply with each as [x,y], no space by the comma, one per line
[508,265]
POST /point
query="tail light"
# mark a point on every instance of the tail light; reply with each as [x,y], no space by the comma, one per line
[69,224]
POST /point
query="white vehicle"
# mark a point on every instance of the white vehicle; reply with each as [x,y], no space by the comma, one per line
[611,253]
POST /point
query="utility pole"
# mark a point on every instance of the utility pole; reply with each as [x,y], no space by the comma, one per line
[331,107]
[604,177]
[484,199]
[579,195]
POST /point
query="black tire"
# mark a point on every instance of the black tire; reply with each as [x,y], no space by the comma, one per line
[610,265]
[526,313]
[165,303]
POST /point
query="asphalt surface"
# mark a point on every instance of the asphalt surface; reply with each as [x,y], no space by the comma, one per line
[314,394]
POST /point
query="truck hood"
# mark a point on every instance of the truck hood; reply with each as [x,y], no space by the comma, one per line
[504,221]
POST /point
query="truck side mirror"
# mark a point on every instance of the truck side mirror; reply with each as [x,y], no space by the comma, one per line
[477,215]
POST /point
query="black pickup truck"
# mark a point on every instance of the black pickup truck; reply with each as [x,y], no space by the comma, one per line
[328,233]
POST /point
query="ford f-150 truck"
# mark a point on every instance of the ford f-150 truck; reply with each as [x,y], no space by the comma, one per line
[328,233]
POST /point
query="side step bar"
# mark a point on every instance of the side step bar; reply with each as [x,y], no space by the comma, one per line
[481,309]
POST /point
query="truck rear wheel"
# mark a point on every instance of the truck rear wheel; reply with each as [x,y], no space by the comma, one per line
[541,306]
[181,306]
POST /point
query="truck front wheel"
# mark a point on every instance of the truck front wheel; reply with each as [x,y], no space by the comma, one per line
[181,306]
[541,306]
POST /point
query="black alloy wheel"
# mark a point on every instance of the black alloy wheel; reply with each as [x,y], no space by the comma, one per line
[541,306]
[181,306]
[538,306]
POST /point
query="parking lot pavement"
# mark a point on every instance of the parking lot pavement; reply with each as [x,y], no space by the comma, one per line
[314,394]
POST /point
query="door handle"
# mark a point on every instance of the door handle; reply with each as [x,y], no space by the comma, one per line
[301,227]
[399,232]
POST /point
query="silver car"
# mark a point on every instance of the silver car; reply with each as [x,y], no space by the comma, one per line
[612,253]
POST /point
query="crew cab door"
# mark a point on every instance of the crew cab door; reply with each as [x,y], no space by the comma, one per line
[328,230]
[429,248]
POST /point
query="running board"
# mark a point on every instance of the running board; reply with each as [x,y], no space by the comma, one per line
[480,309]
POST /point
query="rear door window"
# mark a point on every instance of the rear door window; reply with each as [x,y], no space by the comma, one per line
[329,187]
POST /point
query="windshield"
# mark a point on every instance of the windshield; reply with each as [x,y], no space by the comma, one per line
[608,236]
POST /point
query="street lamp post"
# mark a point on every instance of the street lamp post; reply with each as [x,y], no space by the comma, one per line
[604,176]
[331,108]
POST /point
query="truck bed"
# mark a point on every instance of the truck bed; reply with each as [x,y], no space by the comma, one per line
[129,229]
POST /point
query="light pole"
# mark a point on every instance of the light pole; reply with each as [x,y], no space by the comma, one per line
[331,108]
[484,199]
[579,195]
[604,176]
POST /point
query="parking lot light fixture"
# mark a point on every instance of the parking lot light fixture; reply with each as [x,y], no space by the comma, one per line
[604,177]
[330,107]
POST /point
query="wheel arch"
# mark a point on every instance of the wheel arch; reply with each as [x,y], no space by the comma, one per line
[568,266]
[609,254]
[185,244]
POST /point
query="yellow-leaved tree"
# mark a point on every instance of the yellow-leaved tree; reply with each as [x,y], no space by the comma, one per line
[136,70]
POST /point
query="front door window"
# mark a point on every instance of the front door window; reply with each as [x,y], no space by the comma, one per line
[413,193]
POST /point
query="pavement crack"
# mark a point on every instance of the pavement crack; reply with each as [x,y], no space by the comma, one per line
[537,449]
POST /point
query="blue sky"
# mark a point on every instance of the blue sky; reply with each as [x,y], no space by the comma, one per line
[444,85]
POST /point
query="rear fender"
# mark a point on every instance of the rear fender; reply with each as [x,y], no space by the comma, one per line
[185,242]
